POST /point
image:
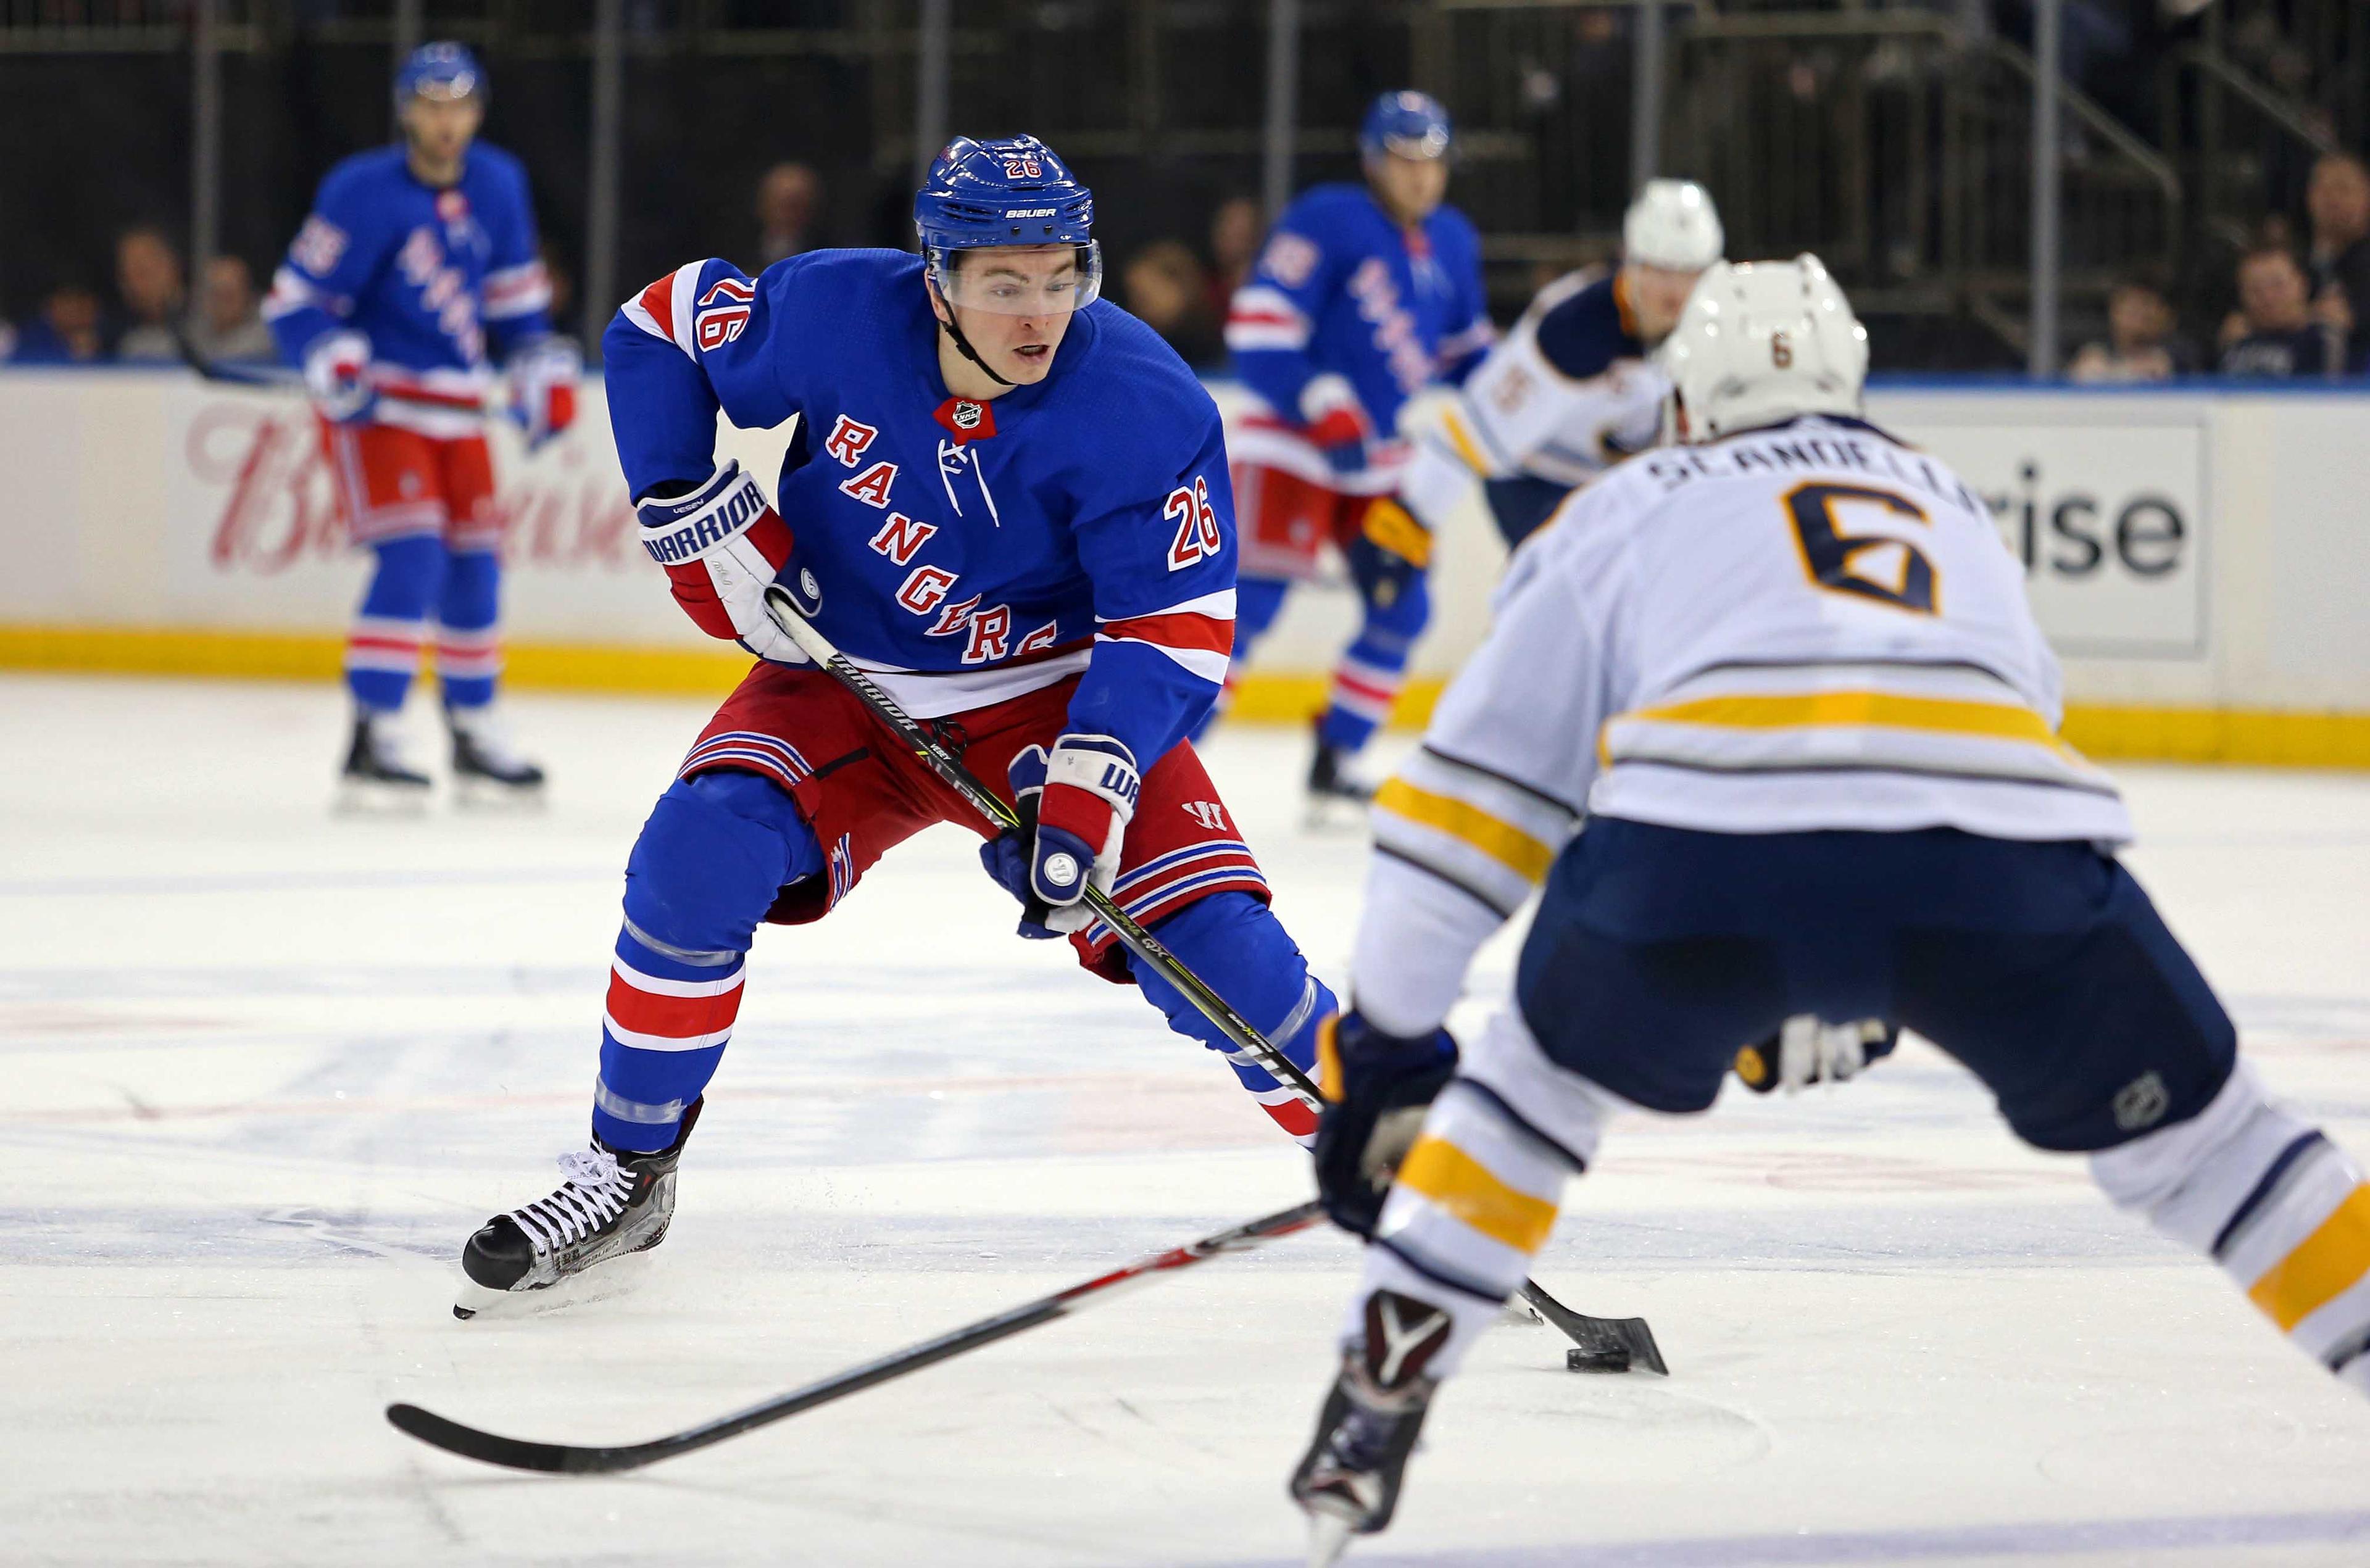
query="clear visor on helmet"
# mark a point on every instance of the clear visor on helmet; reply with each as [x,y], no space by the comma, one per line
[1009,279]
[1432,143]
[447,89]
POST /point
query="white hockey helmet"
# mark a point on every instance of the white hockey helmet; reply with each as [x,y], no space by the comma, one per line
[1672,224]
[1763,341]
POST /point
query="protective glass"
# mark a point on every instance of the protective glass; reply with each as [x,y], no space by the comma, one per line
[1020,281]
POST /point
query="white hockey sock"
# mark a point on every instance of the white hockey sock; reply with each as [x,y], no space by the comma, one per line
[2268,1197]
[1475,1201]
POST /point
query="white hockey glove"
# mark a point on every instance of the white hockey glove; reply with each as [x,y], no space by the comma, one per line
[337,376]
[721,545]
[1807,1049]
[1075,805]
[543,388]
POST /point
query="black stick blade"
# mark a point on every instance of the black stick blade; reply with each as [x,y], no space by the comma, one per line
[1606,1342]
[514,1453]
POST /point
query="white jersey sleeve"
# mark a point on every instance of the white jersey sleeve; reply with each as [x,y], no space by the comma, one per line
[1469,825]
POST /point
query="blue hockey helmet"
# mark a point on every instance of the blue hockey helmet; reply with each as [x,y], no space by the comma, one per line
[439,71]
[1015,192]
[1411,124]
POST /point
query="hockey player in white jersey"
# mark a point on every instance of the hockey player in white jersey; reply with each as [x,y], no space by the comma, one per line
[1787,671]
[1573,389]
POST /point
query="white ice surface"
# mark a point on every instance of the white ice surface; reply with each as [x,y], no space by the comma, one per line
[262,1070]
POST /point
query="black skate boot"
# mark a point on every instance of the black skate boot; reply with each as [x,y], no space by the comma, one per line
[1331,785]
[614,1202]
[376,776]
[1349,1480]
[487,769]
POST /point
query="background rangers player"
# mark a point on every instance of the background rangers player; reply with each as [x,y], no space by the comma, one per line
[1009,501]
[1801,695]
[1573,389]
[1363,295]
[419,261]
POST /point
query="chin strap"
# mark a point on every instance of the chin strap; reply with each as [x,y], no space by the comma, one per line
[954,330]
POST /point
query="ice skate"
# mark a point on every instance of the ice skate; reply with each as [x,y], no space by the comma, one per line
[377,777]
[1334,796]
[1349,1480]
[487,769]
[615,1203]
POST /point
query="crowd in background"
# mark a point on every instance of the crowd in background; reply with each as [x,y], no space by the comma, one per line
[2304,309]
[2303,295]
[152,313]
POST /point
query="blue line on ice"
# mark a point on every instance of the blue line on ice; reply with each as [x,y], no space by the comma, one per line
[2036,1538]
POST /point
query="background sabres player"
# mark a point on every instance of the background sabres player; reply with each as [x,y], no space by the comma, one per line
[1363,295]
[417,266]
[1573,389]
[1007,499]
[1800,693]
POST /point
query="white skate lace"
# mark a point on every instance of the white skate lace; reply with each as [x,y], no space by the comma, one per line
[595,1193]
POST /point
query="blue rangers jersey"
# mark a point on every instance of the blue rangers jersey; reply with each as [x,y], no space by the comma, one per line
[1344,303]
[433,278]
[966,551]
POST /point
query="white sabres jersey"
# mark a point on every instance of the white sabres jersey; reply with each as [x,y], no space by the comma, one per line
[1807,627]
[1566,394]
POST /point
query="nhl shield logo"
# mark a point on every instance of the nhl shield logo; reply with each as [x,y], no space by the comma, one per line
[966,419]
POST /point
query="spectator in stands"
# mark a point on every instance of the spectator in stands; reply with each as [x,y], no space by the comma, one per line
[1165,287]
[2274,333]
[65,333]
[2140,344]
[148,278]
[2338,199]
[227,324]
[1236,229]
[787,197]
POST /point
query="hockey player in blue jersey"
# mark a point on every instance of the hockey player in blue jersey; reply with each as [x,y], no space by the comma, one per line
[417,270]
[1363,296]
[1573,388]
[1009,501]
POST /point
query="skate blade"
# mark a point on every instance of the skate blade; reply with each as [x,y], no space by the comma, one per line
[487,796]
[1328,1538]
[368,797]
[619,1277]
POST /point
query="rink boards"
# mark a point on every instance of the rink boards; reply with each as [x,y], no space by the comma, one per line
[2195,556]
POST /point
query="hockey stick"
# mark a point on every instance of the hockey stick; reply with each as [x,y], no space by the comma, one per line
[279,378]
[567,1458]
[1605,1345]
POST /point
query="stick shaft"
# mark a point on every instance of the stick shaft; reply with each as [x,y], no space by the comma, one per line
[569,1459]
[950,768]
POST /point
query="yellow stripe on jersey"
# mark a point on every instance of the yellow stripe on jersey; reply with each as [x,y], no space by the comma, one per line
[2323,1266]
[1453,425]
[1501,841]
[1853,710]
[1464,1187]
